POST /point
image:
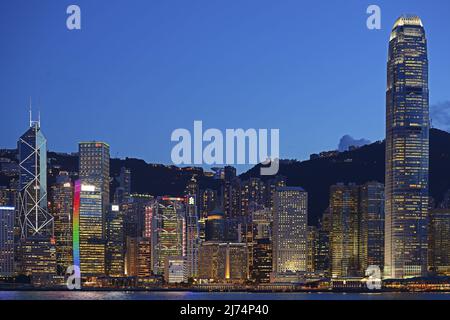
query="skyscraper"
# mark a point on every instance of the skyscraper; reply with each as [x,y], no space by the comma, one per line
[94,169]
[6,241]
[344,235]
[439,242]
[290,230]
[115,247]
[61,196]
[168,238]
[88,233]
[407,150]
[372,225]
[33,215]
[192,236]
[36,251]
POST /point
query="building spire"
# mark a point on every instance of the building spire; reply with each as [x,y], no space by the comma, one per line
[31,114]
[34,122]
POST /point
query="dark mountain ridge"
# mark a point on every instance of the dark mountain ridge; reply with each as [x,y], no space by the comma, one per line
[315,176]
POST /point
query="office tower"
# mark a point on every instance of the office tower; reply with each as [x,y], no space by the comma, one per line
[148,220]
[88,234]
[135,211]
[208,269]
[344,236]
[61,207]
[169,232]
[289,230]
[192,236]
[271,188]
[94,169]
[192,189]
[144,261]
[372,225]
[123,191]
[115,251]
[262,260]
[439,242]
[233,262]
[252,193]
[262,223]
[7,196]
[215,226]
[209,202]
[36,252]
[311,249]
[223,262]
[138,257]
[7,215]
[407,150]
[33,215]
[323,255]
[231,197]
[131,256]
[39,260]
[175,270]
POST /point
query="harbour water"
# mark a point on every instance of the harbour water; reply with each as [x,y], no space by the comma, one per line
[184,295]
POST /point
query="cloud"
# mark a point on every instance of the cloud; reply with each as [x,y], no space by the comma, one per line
[440,115]
[348,141]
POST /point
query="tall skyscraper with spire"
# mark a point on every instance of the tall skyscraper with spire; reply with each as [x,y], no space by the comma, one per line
[36,248]
[33,214]
[407,150]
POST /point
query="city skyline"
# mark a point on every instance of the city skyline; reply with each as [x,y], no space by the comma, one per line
[371,48]
[368,218]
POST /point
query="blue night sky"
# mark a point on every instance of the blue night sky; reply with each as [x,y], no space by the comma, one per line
[140,69]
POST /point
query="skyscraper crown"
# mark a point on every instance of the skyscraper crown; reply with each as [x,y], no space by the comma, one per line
[408,20]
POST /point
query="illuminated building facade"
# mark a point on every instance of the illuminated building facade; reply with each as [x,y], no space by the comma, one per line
[407,150]
[323,255]
[61,195]
[223,262]
[252,194]
[36,252]
[115,259]
[39,259]
[88,230]
[233,262]
[135,212]
[175,270]
[290,230]
[439,242]
[344,235]
[371,225]
[262,260]
[33,214]
[311,249]
[262,223]
[208,269]
[7,218]
[192,236]
[169,238]
[94,169]
[215,226]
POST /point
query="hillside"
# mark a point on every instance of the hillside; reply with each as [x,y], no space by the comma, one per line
[359,166]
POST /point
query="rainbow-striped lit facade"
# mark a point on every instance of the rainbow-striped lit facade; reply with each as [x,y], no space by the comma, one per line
[76,225]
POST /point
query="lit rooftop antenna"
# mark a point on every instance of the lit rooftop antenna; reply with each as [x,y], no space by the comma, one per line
[30,114]
[33,122]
